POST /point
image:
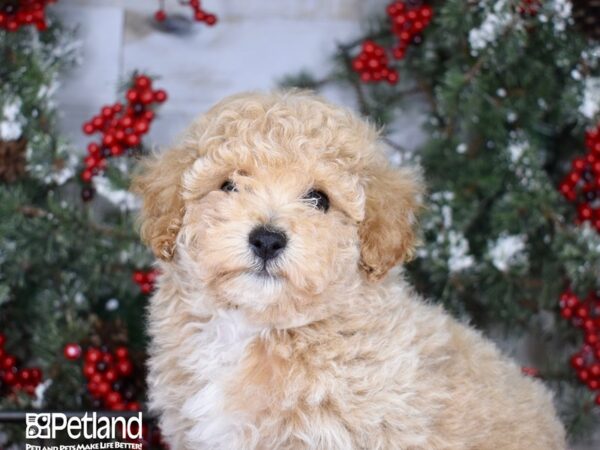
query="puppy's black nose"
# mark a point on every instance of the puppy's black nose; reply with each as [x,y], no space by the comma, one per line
[267,243]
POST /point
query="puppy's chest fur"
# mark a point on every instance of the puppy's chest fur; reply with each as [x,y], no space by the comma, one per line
[217,357]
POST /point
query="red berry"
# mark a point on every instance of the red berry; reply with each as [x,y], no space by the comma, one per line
[132,95]
[160,96]
[139,277]
[87,175]
[574,177]
[210,19]
[89,370]
[125,367]
[152,275]
[146,288]
[582,312]
[122,352]
[108,358]
[93,355]
[119,406]
[119,135]
[588,325]
[36,375]
[399,53]
[113,398]
[133,140]
[358,65]
[108,140]
[134,406]
[104,389]
[579,164]
[141,127]
[97,122]
[392,77]
[97,378]
[10,378]
[143,82]
[147,96]
[110,375]
[88,128]
[591,339]
[9,362]
[2,339]
[93,389]
[72,351]
[160,15]
[585,212]
[24,376]
[90,161]
[93,149]
[566,313]
[126,121]
[577,361]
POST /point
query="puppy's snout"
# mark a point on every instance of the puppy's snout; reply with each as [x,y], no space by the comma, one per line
[267,243]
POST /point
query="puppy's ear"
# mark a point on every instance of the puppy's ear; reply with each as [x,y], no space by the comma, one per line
[158,182]
[388,231]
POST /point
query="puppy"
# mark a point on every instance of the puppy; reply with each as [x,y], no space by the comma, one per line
[278,322]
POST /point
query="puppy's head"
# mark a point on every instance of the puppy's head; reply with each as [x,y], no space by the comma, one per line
[279,204]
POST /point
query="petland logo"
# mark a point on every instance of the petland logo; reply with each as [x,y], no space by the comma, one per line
[84,429]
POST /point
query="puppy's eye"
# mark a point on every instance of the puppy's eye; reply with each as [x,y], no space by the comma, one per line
[318,199]
[229,186]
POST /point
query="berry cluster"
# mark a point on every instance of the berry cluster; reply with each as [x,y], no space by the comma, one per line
[109,378]
[200,15]
[581,186]
[409,19]
[372,64]
[585,314]
[18,13]
[121,126]
[529,8]
[145,279]
[13,379]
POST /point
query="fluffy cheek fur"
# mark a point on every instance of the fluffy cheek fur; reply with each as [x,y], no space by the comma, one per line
[213,246]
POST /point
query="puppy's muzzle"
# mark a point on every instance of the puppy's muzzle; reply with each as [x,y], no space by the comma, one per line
[267,242]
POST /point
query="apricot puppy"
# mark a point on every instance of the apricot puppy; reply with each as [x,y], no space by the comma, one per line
[276,323]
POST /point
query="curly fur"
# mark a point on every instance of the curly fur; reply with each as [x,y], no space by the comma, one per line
[325,352]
